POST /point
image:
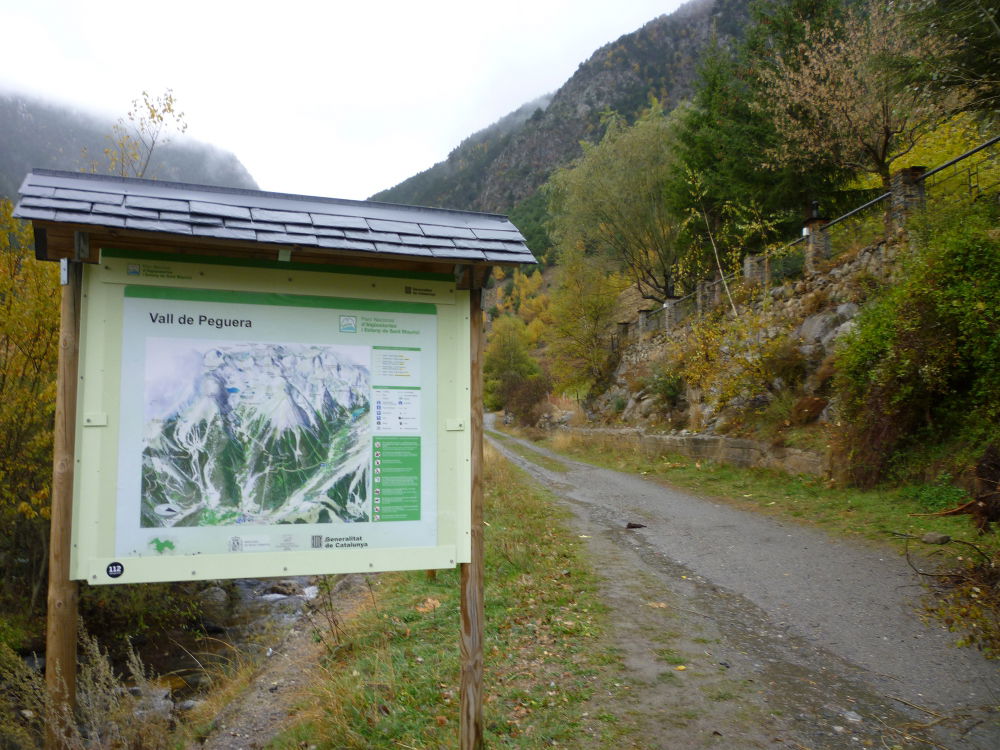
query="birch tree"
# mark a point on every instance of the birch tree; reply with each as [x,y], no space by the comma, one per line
[150,122]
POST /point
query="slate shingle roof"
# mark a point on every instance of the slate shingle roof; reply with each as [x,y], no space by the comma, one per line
[274,218]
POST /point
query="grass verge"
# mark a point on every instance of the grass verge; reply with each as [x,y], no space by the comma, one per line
[535,457]
[392,678]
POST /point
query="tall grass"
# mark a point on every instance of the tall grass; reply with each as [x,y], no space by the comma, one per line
[108,715]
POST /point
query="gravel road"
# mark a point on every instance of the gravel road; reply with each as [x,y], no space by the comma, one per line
[789,637]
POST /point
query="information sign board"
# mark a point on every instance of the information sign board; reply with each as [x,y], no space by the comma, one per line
[267,420]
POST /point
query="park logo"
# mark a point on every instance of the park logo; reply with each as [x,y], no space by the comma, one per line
[420,291]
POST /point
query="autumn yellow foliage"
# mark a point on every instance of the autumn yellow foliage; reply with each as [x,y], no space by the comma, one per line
[725,357]
[29,329]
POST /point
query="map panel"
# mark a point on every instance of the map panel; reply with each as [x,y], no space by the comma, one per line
[248,422]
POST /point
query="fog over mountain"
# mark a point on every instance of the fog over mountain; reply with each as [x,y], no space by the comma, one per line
[36,133]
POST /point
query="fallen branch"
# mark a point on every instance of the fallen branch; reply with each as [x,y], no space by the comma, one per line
[918,571]
[948,540]
[914,705]
[907,736]
[956,511]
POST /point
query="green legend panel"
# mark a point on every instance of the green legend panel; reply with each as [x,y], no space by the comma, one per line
[396,479]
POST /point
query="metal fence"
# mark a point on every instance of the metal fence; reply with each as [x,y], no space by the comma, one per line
[861,227]
[971,176]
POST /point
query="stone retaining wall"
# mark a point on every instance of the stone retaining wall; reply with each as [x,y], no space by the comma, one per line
[718,448]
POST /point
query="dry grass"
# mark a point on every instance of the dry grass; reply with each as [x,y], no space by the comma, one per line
[109,715]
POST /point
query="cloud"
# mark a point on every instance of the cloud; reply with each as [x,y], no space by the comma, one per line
[331,98]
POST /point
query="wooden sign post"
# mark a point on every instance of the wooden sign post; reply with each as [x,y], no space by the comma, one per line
[61,616]
[472,575]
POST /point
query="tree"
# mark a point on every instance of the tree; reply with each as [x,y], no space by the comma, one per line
[970,62]
[612,201]
[584,310]
[837,98]
[720,136]
[29,332]
[506,361]
[516,293]
[779,26]
[135,136]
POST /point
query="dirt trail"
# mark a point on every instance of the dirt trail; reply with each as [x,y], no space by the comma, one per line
[270,702]
[787,637]
[268,705]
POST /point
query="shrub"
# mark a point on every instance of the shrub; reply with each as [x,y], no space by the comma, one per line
[922,366]
[667,385]
[814,302]
[807,409]
[785,361]
[134,612]
[526,399]
[863,286]
[820,382]
[725,357]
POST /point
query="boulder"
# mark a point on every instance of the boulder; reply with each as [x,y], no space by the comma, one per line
[816,327]
[284,588]
[214,595]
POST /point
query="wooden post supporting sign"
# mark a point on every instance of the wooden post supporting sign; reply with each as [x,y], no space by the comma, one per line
[471,728]
[60,636]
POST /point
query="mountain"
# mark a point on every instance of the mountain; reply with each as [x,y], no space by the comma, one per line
[255,433]
[34,133]
[504,164]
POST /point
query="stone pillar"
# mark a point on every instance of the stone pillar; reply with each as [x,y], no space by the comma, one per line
[906,195]
[623,332]
[702,296]
[756,269]
[669,314]
[817,240]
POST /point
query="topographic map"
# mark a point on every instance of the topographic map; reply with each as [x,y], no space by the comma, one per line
[255,433]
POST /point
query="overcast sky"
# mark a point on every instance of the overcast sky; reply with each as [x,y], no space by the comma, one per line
[335,98]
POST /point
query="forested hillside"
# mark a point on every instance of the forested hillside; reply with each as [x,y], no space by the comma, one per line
[812,111]
[51,136]
[503,165]
[694,289]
